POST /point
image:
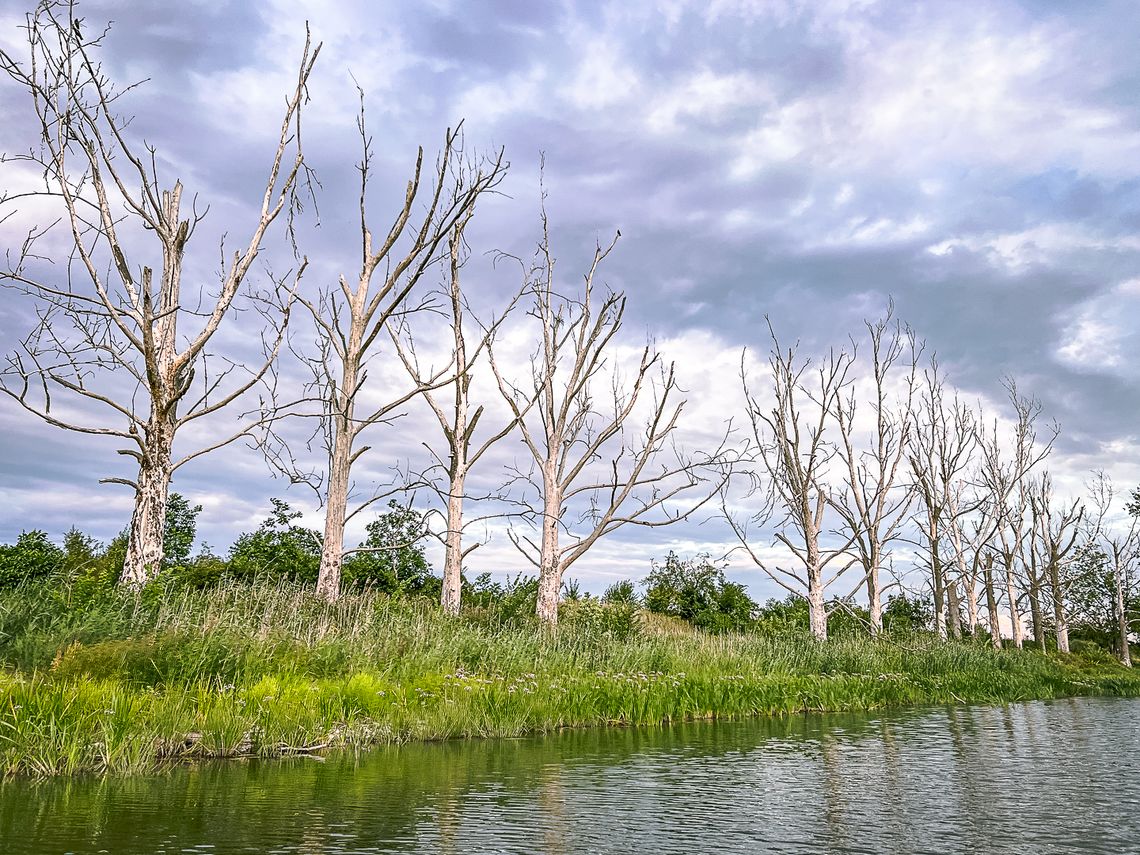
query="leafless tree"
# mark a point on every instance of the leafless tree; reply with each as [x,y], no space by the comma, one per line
[600,466]
[1121,546]
[789,428]
[942,445]
[1056,530]
[353,320]
[112,332]
[456,419]
[1006,465]
[874,505]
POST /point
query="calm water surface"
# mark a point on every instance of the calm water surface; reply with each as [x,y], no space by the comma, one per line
[1061,776]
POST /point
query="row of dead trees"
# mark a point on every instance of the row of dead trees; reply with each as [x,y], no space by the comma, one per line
[121,349]
[868,452]
[847,465]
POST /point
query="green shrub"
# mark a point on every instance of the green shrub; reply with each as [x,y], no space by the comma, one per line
[621,592]
[32,556]
[695,590]
[618,621]
[278,549]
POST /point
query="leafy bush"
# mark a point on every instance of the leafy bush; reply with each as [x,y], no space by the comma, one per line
[622,592]
[32,556]
[278,549]
[391,558]
[905,615]
[695,590]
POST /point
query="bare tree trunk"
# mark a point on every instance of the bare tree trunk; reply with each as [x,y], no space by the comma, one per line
[453,546]
[972,609]
[340,465]
[1121,616]
[1011,594]
[817,613]
[1037,616]
[938,583]
[550,564]
[1059,617]
[991,603]
[875,596]
[148,524]
[954,609]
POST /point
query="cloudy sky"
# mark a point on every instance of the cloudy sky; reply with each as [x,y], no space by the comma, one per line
[974,161]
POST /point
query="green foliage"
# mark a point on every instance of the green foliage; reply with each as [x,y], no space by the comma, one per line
[32,556]
[279,549]
[905,615]
[181,529]
[622,592]
[503,605]
[787,617]
[696,591]
[1092,598]
[617,621]
[391,558]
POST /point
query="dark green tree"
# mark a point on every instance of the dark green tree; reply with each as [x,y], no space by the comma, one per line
[391,558]
[696,591]
[278,549]
[32,556]
[181,529]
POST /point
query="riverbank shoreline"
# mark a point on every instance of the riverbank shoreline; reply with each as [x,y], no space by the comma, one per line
[129,684]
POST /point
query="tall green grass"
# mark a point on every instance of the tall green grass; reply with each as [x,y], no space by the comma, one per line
[123,682]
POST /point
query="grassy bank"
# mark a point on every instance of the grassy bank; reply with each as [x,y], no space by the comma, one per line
[123,683]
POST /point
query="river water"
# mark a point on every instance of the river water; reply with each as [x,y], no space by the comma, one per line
[1060,776]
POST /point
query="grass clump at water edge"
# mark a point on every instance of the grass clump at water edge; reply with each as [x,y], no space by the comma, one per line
[128,682]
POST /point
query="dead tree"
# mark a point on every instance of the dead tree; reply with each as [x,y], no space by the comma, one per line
[599,467]
[1007,463]
[941,448]
[1121,546]
[456,419]
[789,428]
[117,331]
[353,319]
[1056,532]
[874,504]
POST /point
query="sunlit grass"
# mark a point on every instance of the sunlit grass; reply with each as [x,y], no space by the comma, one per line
[127,683]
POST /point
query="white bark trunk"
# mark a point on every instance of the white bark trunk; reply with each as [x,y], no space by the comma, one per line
[1121,618]
[874,593]
[550,565]
[336,504]
[148,524]
[1011,594]
[453,548]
